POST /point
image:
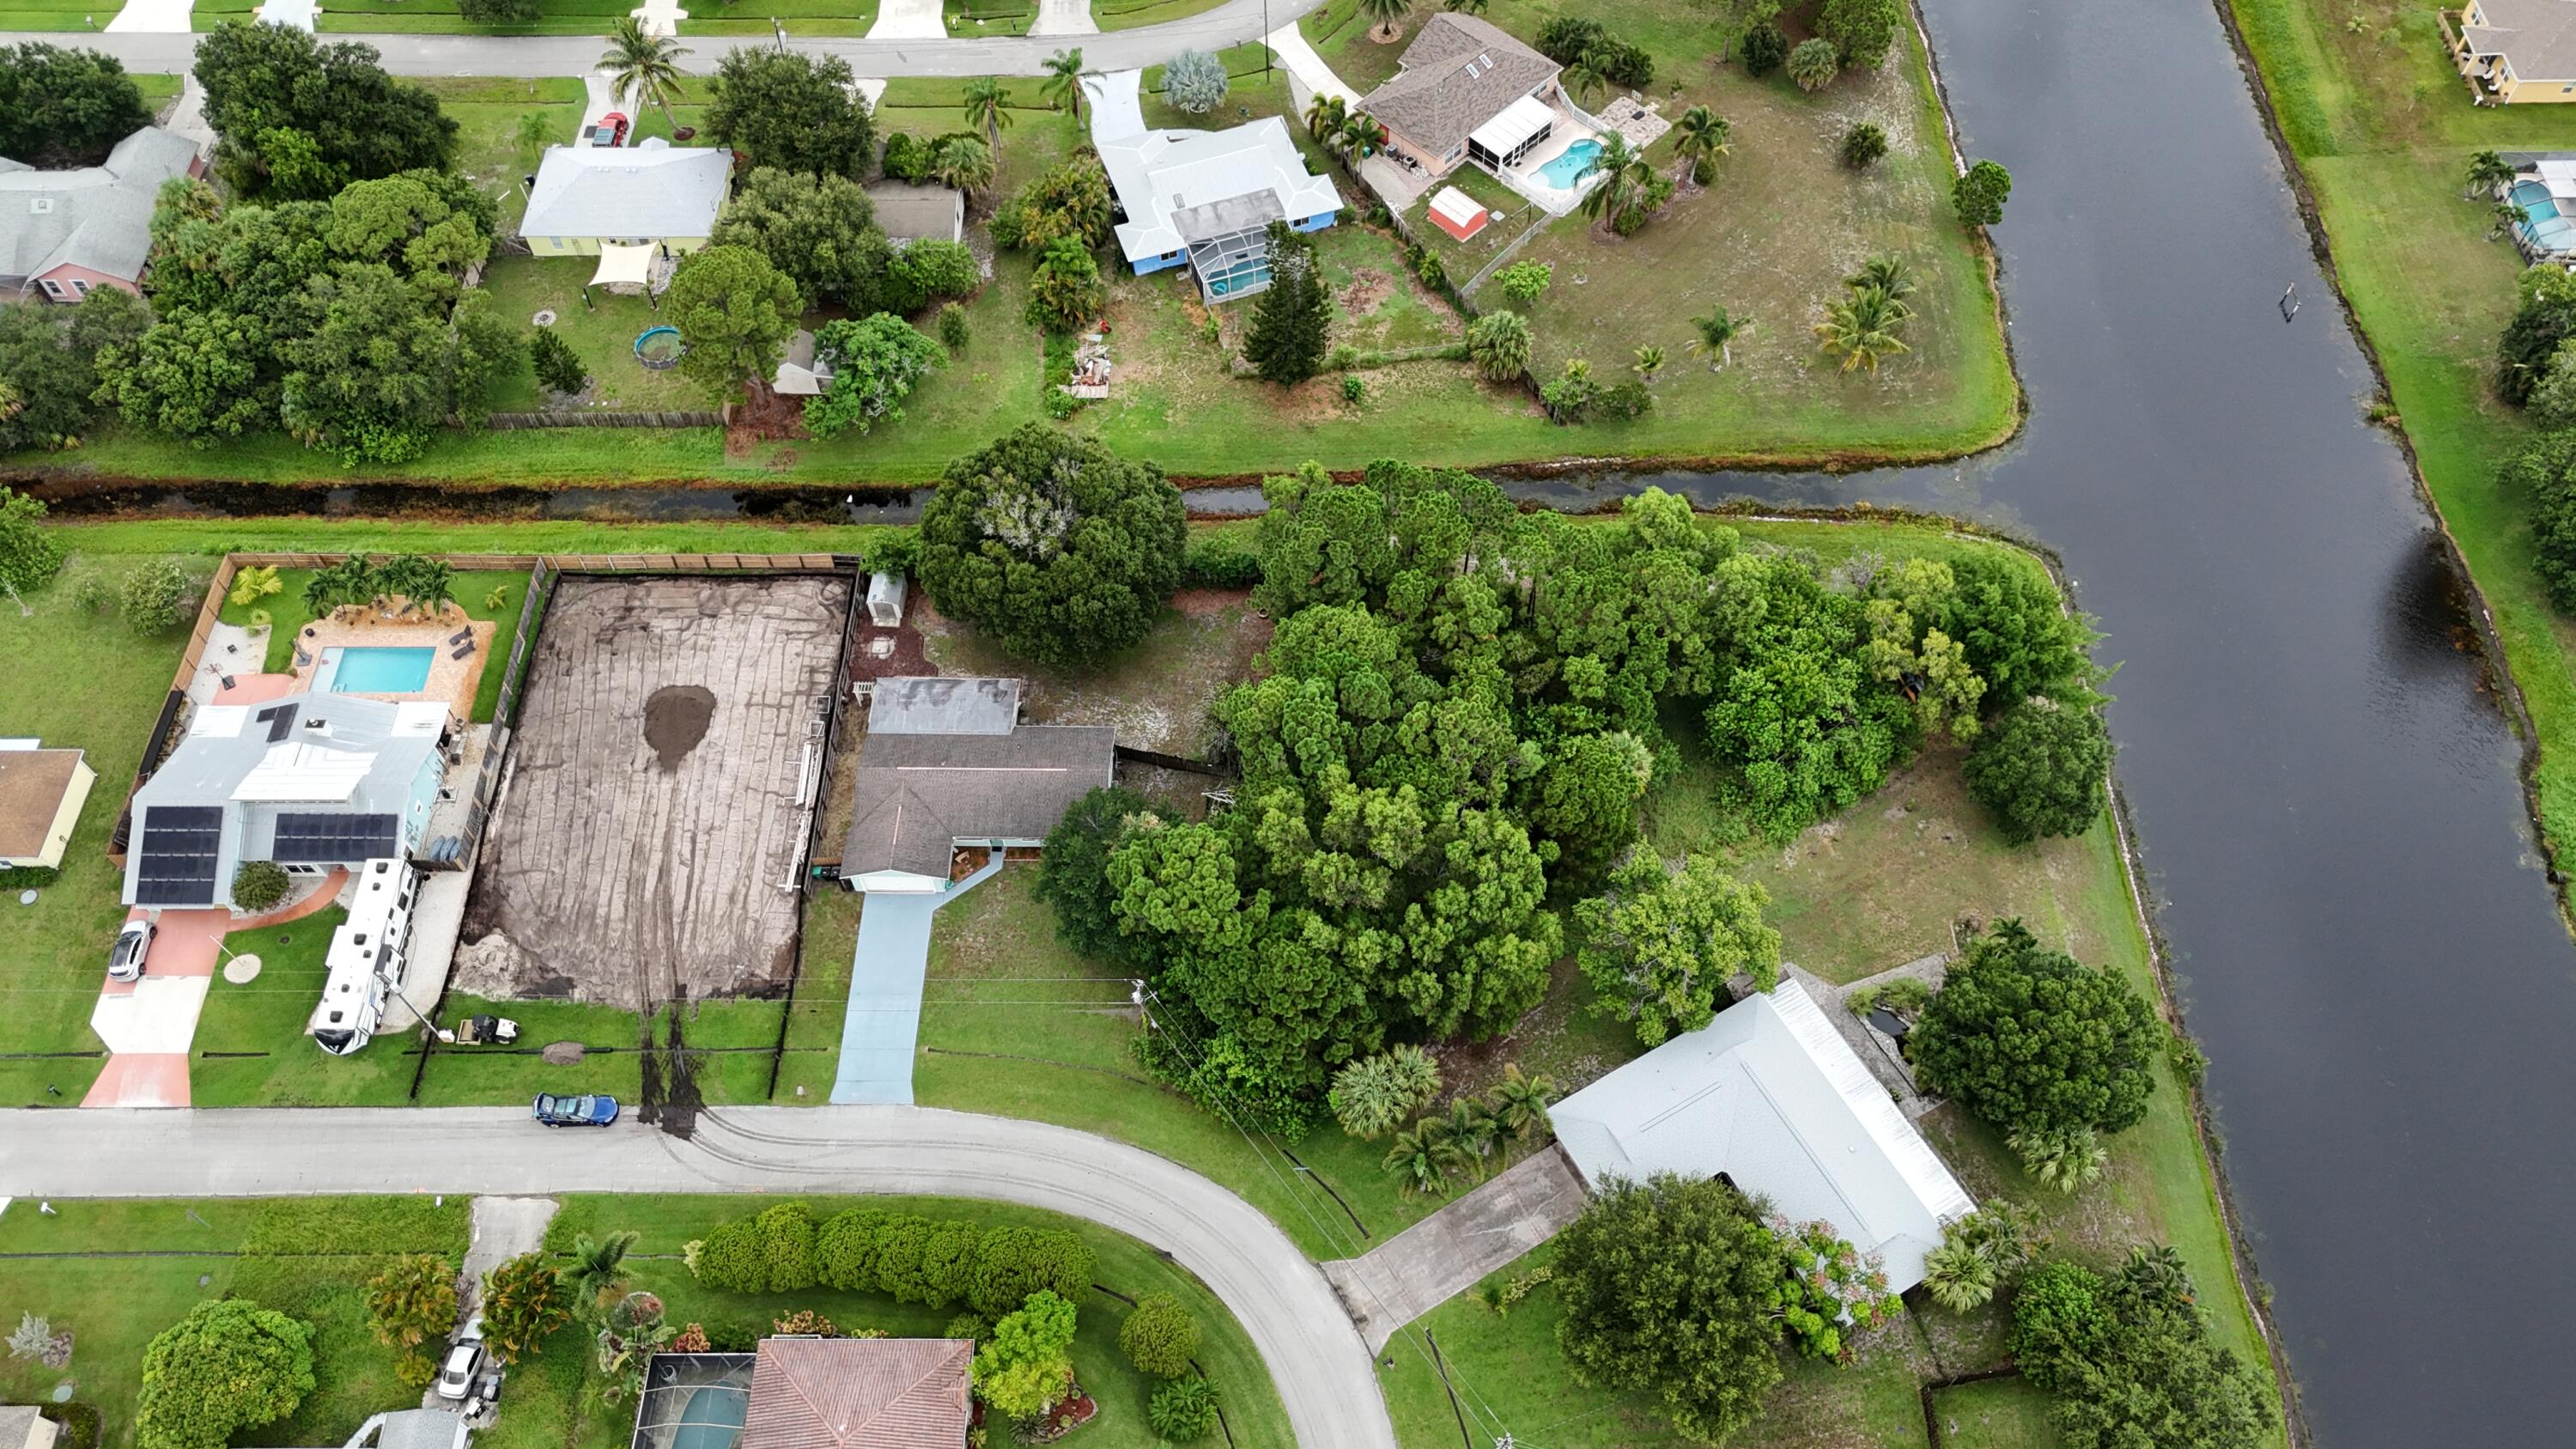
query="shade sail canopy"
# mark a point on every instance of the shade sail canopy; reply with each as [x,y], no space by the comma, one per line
[629,264]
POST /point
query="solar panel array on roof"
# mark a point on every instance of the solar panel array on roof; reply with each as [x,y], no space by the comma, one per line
[339,839]
[280,719]
[178,855]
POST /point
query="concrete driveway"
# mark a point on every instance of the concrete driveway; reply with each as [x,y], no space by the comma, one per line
[909,20]
[1064,17]
[1324,1373]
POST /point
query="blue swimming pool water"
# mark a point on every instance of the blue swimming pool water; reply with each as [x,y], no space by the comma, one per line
[1563,172]
[370,670]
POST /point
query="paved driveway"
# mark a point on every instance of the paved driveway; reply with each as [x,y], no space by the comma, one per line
[909,20]
[884,1020]
[1324,1373]
[1446,1253]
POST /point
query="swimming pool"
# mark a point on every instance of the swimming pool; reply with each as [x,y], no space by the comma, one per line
[1571,167]
[712,1419]
[374,670]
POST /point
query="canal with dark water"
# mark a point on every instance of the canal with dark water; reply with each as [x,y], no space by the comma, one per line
[2329,807]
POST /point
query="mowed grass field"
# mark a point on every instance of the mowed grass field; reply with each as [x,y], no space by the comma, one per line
[2382,129]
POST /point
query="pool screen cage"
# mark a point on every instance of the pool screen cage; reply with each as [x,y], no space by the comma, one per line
[693,1400]
[1229,244]
[1507,139]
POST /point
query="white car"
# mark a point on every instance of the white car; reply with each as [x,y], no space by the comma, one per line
[456,1376]
[125,958]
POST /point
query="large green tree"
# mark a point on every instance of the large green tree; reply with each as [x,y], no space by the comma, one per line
[2128,1359]
[29,554]
[820,231]
[1586,797]
[2041,770]
[1026,1367]
[229,1365]
[1073,871]
[1660,947]
[1863,31]
[875,362]
[1059,549]
[49,364]
[389,360]
[735,313]
[1292,319]
[1666,1288]
[2033,1041]
[793,111]
[62,107]
[274,92]
[1065,291]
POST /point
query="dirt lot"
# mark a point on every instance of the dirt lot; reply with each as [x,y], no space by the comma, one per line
[1157,694]
[650,810]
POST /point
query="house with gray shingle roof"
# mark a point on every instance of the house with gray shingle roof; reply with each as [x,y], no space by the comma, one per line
[1460,74]
[64,234]
[946,765]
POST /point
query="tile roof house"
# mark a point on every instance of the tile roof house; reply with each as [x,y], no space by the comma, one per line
[1203,199]
[65,233]
[946,764]
[1771,1096]
[41,793]
[310,781]
[653,194]
[2515,51]
[1460,73]
[859,1393]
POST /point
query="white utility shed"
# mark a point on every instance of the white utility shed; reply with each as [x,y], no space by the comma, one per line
[1772,1096]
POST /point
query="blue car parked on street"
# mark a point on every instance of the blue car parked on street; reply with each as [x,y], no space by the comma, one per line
[592,1111]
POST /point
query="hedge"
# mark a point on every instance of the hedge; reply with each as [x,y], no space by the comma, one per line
[935,1261]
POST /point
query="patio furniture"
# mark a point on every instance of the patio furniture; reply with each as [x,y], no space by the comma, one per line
[462,651]
[462,636]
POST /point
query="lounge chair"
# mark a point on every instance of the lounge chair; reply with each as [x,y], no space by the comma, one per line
[462,651]
[462,636]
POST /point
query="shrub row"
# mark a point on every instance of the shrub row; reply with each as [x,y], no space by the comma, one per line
[1217,563]
[937,1261]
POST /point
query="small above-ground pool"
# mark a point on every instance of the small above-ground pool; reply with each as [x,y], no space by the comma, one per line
[1571,167]
[658,348]
[368,669]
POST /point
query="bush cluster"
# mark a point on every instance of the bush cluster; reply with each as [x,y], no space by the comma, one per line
[1572,40]
[937,1261]
[1218,563]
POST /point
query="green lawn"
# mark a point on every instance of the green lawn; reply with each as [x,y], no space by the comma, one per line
[1994,1414]
[1129,14]
[2382,128]
[251,1050]
[1127,1266]
[309,1256]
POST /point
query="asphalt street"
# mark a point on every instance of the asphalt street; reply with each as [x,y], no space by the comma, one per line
[1324,1373]
[568,55]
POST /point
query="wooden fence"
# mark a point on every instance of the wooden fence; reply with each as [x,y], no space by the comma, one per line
[507,422]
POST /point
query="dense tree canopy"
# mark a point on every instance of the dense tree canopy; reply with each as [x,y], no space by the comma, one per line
[229,1365]
[735,313]
[1666,1288]
[820,231]
[1055,547]
[62,107]
[875,360]
[1073,871]
[1661,946]
[48,363]
[2033,1041]
[2040,771]
[296,118]
[2128,1360]
[792,111]
[1862,31]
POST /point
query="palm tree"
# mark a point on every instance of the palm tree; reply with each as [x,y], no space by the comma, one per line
[1386,13]
[1325,114]
[598,1271]
[1419,1158]
[1519,1099]
[430,587]
[964,162]
[2506,217]
[2487,171]
[646,66]
[1358,134]
[1699,137]
[1469,1132]
[1064,79]
[988,105]
[1714,337]
[1465,7]
[1888,274]
[1580,80]
[1624,175]
[1862,328]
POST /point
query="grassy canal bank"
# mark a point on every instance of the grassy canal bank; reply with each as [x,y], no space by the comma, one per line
[2381,129]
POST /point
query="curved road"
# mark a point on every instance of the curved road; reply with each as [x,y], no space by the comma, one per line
[1324,1373]
[1232,23]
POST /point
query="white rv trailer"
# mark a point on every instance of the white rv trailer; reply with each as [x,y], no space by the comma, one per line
[366,957]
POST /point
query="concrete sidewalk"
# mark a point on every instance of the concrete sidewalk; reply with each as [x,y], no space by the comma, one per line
[1446,1253]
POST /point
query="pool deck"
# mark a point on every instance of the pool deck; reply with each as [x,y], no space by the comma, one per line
[451,679]
[1526,179]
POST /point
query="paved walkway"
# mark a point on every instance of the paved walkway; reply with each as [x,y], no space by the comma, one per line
[1446,1253]
[1324,1373]
[598,99]
[1307,69]
[1064,17]
[881,54]
[660,17]
[881,1027]
[297,13]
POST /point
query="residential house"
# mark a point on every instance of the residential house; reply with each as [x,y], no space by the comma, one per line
[1469,91]
[23,1426]
[2515,52]
[41,793]
[907,213]
[1203,199]
[946,765]
[65,233]
[656,196]
[1771,1097]
[310,781]
[811,1393]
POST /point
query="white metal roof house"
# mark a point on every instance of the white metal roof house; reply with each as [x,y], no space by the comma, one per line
[310,781]
[1204,199]
[650,195]
[1771,1096]
[65,233]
